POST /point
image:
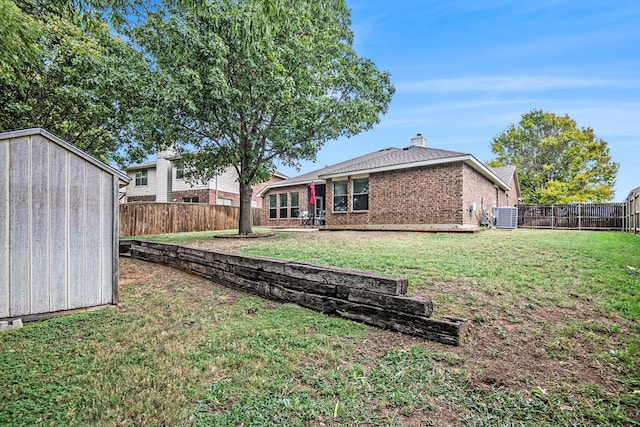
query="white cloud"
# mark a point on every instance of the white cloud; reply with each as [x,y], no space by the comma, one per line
[510,84]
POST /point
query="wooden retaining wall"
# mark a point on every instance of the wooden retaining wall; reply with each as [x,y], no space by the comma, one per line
[365,297]
[144,218]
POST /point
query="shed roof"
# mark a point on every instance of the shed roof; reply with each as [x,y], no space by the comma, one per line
[633,193]
[62,143]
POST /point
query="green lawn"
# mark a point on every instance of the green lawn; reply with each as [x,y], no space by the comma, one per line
[554,340]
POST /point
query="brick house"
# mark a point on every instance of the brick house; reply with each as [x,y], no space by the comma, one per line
[161,180]
[394,189]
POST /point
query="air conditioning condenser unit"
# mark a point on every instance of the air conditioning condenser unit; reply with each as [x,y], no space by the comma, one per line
[506,217]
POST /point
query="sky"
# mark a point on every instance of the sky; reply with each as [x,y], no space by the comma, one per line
[464,71]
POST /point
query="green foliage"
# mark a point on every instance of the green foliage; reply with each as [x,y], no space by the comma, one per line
[557,162]
[74,78]
[251,84]
[18,43]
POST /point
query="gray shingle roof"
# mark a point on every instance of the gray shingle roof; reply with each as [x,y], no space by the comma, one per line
[505,173]
[385,158]
[633,192]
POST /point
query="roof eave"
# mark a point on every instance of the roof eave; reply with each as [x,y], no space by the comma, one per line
[283,184]
[487,173]
[149,165]
[69,147]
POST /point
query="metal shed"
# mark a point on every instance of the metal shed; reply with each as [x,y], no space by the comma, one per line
[58,227]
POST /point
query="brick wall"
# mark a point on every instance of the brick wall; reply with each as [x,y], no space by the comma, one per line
[303,197]
[482,192]
[426,195]
[348,217]
[439,194]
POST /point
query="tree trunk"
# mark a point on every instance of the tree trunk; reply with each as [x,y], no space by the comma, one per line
[244,227]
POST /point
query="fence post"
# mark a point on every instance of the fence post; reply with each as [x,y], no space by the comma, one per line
[579,216]
[552,213]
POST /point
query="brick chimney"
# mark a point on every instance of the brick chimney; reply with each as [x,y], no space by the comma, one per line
[419,141]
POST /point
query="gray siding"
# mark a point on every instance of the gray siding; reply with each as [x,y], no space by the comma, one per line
[108,234]
[19,212]
[59,240]
[39,242]
[4,230]
[58,233]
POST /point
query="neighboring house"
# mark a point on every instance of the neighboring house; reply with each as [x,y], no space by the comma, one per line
[395,188]
[162,181]
[58,227]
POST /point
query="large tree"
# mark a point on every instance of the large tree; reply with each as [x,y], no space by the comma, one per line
[61,68]
[557,161]
[19,35]
[251,84]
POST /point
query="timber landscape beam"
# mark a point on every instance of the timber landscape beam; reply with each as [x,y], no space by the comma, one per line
[370,298]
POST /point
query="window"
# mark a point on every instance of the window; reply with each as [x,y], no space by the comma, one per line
[180,170]
[141,178]
[224,202]
[340,196]
[273,206]
[361,194]
[190,200]
[295,205]
[283,205]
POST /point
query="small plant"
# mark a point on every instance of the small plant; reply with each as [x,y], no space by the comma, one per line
[500,332]
[478,319]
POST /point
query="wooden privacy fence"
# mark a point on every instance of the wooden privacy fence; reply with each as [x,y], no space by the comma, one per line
[574,216]
[141,218]
[632,205]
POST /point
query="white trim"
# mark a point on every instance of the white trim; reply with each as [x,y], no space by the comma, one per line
[359,176]
[73,149]
[289,184]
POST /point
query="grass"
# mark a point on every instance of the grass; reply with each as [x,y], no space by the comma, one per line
[543,267]
[555,341]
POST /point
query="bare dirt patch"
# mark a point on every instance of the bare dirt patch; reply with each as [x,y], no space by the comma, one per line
[192,291]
